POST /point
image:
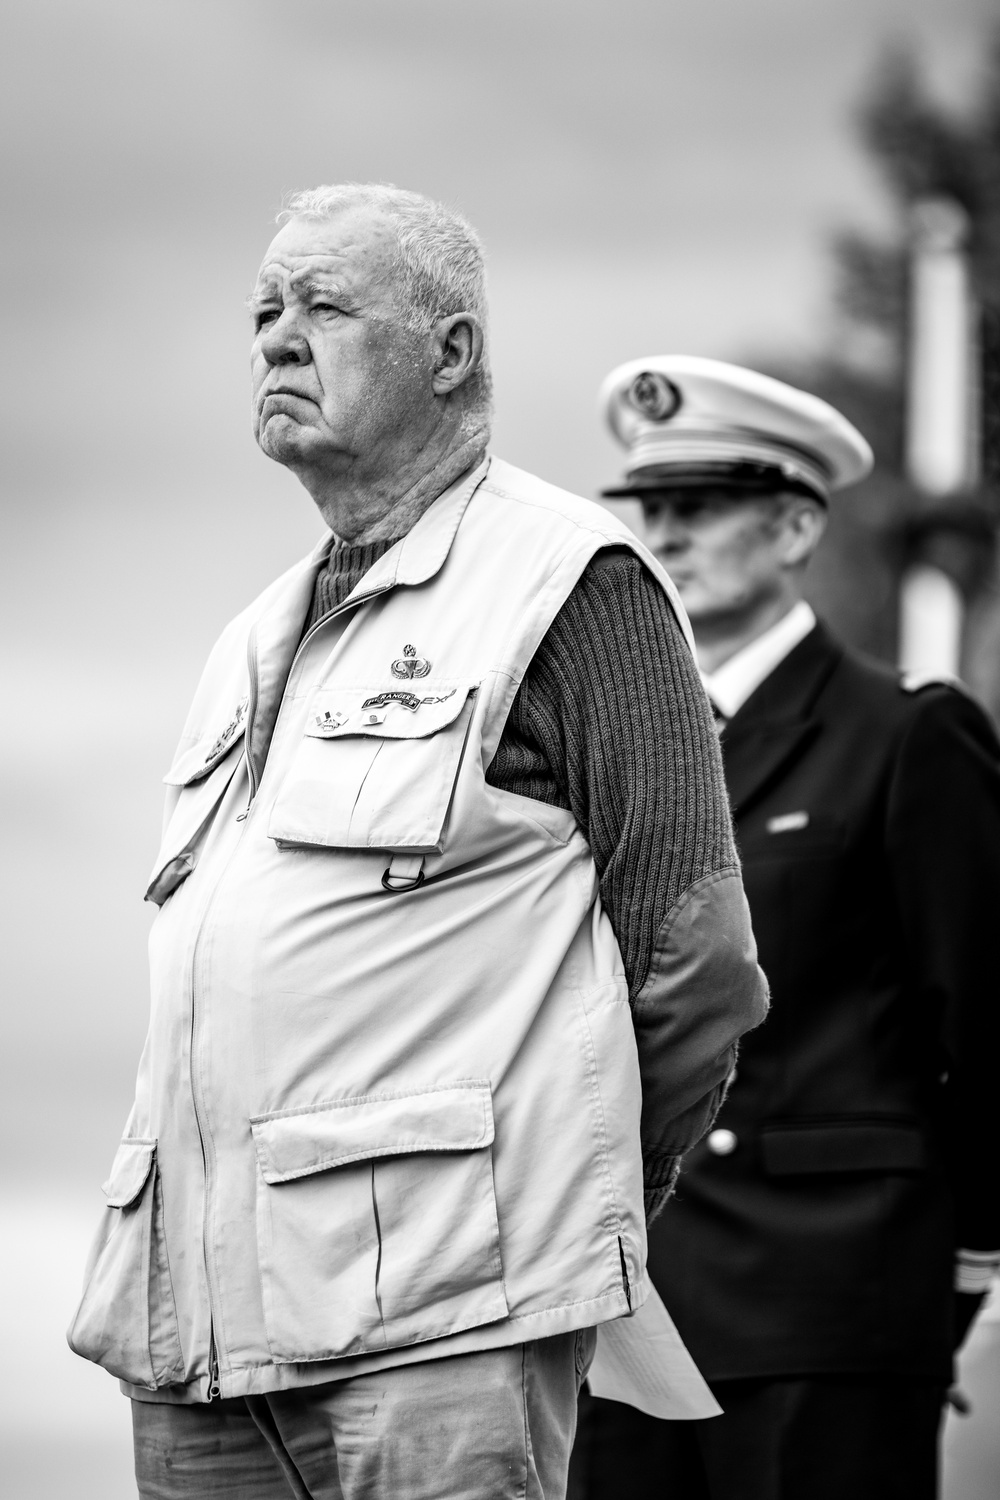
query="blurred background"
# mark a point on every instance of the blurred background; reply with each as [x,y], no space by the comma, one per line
[808,186]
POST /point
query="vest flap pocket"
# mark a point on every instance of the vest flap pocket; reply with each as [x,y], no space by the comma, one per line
[387,784]
[132,1165]
[194,806]
[842,1146]
[456,1118]
[126,1320]
[396,713]
[377,1222]
[196,757]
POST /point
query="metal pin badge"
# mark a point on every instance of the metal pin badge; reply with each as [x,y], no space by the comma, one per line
[229,733]
[327,720]
[787,822]
[410,664]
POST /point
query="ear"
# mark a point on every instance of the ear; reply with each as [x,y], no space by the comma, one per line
[458,351]
[803,525]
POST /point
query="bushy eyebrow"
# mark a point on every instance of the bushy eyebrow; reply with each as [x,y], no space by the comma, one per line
[267,291]
[311,286]
[303,286]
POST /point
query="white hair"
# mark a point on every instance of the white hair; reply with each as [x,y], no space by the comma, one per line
[440,268]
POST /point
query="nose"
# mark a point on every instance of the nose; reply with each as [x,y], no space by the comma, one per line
[665,534]
[283,342]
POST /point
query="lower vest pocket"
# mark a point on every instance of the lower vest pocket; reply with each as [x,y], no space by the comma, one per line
[126,1320]
[377,1222]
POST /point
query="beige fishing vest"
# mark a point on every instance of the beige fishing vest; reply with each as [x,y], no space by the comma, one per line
[390,1093]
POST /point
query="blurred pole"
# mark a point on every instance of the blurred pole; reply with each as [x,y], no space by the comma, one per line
[941,422]
[931,615]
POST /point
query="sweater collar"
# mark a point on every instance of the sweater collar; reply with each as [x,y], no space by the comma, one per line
[421,553]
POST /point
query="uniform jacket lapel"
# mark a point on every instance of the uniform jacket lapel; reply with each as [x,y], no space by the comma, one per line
[775,724]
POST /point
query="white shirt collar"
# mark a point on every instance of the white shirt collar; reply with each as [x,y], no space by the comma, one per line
[730,685]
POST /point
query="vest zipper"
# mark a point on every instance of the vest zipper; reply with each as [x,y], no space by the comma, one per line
[214,1379]
[198,1104]
[214,1388]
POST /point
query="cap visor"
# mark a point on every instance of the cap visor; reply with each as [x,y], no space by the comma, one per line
[747,477]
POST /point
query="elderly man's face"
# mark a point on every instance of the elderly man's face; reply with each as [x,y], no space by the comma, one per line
[336,375]
[724,551]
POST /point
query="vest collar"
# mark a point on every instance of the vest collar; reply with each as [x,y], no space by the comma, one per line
[277,632]
[421,553]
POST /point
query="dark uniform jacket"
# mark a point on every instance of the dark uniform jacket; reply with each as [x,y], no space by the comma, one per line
[865,1110]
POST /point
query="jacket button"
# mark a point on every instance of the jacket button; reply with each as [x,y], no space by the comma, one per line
[722,1142]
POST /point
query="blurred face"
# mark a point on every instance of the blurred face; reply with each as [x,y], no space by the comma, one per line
[726,552]
[336,376]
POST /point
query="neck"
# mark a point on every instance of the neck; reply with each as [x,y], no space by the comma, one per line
[719,638]
[360,512]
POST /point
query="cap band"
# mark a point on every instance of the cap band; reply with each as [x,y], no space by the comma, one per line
[680,447]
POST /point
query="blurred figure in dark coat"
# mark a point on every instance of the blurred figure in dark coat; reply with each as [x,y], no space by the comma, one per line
[831,1239]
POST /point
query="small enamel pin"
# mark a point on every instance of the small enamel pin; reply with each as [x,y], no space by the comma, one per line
[410,664]
[327,720]
[229,733]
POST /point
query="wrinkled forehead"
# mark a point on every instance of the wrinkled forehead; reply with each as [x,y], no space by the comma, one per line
[354,250]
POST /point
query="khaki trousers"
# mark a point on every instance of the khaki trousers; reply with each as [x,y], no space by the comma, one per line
[486,1426]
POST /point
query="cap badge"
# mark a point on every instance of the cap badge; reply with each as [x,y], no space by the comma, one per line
[410,664]
[656,397]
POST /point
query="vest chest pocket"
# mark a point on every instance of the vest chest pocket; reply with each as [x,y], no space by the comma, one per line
[376,768]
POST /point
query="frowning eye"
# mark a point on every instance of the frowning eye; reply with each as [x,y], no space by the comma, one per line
[264,316]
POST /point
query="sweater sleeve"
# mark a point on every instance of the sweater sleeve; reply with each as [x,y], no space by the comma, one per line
[611,720]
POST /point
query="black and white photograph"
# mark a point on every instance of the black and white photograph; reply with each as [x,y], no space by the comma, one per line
[500,769]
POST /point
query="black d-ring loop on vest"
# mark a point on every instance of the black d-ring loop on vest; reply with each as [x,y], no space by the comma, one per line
[399,890]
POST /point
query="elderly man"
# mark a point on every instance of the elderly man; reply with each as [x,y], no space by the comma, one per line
[452,952]
[832,1236]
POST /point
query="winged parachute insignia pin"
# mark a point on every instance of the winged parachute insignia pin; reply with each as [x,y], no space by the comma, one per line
[410,664]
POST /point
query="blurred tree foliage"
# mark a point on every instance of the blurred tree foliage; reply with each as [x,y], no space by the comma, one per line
[922,150]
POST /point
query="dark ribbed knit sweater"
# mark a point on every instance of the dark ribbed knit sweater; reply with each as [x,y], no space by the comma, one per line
[610,721]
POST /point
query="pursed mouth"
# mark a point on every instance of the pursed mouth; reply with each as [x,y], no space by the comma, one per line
[283,391]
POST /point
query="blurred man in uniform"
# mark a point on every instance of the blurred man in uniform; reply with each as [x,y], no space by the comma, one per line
[832,1237]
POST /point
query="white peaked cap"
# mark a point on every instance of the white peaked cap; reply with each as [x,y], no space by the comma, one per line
[686,420]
